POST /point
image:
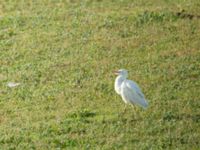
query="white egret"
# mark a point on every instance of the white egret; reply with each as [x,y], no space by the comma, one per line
[129,90]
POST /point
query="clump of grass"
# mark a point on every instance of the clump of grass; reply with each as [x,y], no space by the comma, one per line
[149,17]
[84,113]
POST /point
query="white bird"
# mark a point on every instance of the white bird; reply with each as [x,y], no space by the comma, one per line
[129,90]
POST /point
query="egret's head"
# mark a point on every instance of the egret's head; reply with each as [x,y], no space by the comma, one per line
[122,72]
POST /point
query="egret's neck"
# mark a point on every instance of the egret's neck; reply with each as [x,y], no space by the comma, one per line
[122,77]
[118,82]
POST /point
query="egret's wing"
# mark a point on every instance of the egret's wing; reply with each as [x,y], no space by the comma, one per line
[135,94]
[132,85]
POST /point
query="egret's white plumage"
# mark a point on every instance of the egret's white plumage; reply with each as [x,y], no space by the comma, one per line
[129,90]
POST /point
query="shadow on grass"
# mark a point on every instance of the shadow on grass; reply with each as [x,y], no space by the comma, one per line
[82,114]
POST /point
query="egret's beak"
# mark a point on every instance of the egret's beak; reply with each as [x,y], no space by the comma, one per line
[116,72]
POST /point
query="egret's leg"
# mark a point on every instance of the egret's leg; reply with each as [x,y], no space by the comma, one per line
[134,112]
[137,113]
[121,114]
[125,108]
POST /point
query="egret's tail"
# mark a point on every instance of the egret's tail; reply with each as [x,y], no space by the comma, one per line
[144,104]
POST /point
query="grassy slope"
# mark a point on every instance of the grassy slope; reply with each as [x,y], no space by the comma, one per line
[64,53]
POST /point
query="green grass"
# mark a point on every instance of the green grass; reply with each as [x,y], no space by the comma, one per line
[63,52]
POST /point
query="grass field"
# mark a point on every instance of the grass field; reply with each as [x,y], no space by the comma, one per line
[64,52]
